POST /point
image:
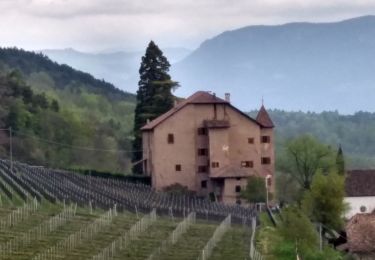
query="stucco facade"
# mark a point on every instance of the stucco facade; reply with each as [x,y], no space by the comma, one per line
[209,146]
[359,205]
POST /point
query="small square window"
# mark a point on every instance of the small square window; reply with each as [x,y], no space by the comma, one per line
[202,152]
[238,188]
[170,138]
[265,139]
[247,164]
[202,131]
[202,169]
[238,178]
[266,160]
[250,140]
[178,167]
[203,184]
[215,165]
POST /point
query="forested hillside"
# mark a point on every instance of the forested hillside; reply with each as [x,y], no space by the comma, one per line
[355,133]
[57,113]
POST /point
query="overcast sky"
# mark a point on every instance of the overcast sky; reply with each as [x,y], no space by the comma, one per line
[94,25]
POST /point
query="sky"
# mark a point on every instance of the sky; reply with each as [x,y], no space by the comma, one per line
[106,25]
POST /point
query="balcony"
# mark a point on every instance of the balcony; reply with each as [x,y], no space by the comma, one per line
[216,123]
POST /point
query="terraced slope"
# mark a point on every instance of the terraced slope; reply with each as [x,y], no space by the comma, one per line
[148,241]
[191,243]
[234,245]
[189,246]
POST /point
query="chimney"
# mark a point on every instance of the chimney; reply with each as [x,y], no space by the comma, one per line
[148,120]
[227,97]
[175,102]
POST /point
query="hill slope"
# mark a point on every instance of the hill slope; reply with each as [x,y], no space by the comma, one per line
[120,68]
[316,67]
[87,113]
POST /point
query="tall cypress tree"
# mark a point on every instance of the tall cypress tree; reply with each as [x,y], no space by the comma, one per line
[154,95]
[340,161]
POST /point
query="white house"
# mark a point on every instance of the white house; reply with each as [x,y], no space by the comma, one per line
[360,192]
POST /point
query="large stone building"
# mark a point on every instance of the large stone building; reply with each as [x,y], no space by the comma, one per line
[209,146]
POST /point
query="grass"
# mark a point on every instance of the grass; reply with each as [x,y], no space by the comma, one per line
[234,245]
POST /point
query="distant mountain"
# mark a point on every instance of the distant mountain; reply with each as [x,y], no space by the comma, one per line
[120,68]
[296,66]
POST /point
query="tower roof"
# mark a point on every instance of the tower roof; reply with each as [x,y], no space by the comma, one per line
[264,119]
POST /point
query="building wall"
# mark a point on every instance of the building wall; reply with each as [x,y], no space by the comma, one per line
[228,146]
[355,203]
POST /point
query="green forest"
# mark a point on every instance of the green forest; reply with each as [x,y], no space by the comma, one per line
[355,133]
[65,118]
[61,117]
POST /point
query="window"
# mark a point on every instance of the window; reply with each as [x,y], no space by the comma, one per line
[202,169]
[247,164]
[178,167]
[250,140]
[238,178]
[202,131]
[266,160]
[215,164]
[170,138]
[203,184]
[238,188]
[265,139]
[202,152]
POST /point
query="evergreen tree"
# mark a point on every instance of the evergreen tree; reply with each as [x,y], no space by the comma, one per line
[340,162]
[154,95]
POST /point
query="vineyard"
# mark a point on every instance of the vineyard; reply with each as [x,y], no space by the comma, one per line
[54,214]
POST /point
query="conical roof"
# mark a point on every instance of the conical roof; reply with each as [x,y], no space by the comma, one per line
[264,119]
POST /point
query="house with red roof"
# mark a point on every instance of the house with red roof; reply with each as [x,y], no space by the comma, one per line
[360,192]
[209,146]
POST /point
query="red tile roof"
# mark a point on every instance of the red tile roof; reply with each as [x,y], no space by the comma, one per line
[360,232]
[264,119]
[360,183]
[200,97]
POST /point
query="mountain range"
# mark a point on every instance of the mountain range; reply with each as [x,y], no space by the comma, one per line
[295,66]
[120,67]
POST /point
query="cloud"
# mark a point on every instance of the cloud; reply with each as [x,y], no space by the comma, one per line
[103,24]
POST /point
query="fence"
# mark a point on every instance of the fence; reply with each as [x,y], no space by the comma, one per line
[216,237]
[37,232]
[19,214]
[124,240]
[58,185]
[254,254]
[181,228]
[71,242]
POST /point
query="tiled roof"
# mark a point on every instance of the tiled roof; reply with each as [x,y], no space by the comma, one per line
[360,183]
[264,119]
[200,97]
[360,232]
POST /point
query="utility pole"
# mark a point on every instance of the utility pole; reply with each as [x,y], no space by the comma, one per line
[11,149]
[320,237]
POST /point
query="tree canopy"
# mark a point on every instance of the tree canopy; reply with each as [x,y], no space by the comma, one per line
[324,202]
[255,191]
[303,157]
[154,95]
